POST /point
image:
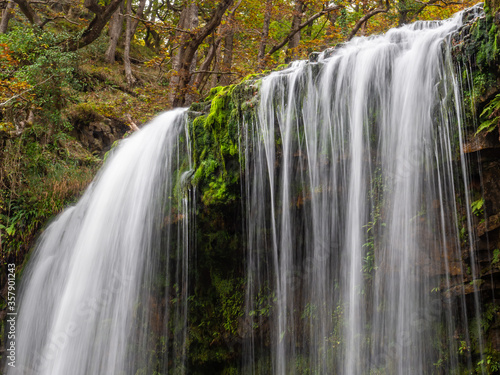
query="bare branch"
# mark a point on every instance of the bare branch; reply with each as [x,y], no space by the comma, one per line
[43,2]
[93,6]
[432,3]
[47,20]
[214,21]
[191,47]
[29,12]
[147,22]
[235,8]
[211,72]
[172,7]
[93,30]
[301,26]
[133,126]
[366,17]
[22,93]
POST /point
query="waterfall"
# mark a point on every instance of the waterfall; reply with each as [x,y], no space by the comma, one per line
[91,289]
[351,170]
[352,188]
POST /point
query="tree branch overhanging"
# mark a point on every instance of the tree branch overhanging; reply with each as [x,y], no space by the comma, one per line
[366,17]
[24,92]
[93,6]
[301,26]
[211,72]
[191,47]
[47,20]
[432,3]
[29,12]
[102,14]
[148,23]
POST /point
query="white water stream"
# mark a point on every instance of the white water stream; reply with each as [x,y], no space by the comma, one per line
[86,307]
[352,186]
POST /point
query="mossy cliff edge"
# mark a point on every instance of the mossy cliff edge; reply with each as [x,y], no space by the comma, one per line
[477,56]
[216,309]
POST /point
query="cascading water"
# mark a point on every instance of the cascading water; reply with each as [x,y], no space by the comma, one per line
[88,305]
[352,187]
[352,170]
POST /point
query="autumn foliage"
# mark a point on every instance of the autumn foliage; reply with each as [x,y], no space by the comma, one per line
[196,45]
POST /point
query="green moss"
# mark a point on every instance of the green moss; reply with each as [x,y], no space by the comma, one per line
[486,34]
[476,49]
[231,297]
[490,116]
[217,301]
[215,140]
[218,192]
[252,77]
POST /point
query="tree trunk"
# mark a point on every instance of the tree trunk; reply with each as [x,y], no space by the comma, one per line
[115,30]
[152,40]
[126,51]
[188,20]
[129,34]
[93,31]
[191,94]
[150,11]
[205,65]
[190,48]
[29,12]
[265,32]
[402,9]
[150,14]
[227,60]
[329,36]
[291,51]
[212,79]
[7,14]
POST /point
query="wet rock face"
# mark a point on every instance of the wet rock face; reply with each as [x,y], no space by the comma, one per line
[491,187]
[482,141]
[99,133]
[494,337]
[477,58]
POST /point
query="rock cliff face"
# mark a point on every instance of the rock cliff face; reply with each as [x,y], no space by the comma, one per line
[96,132]
[477,56]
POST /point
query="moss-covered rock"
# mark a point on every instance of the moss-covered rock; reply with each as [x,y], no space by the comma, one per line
[216,137]
[476,53]
[215,128]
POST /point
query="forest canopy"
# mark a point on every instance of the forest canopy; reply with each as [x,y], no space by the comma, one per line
[196,45]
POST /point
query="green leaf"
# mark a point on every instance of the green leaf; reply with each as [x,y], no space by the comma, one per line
[489,125]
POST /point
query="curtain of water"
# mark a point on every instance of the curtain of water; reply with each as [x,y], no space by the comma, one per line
[95,289]
[352,187]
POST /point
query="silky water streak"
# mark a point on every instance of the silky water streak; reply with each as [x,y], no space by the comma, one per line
[352,188]
[91,291]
